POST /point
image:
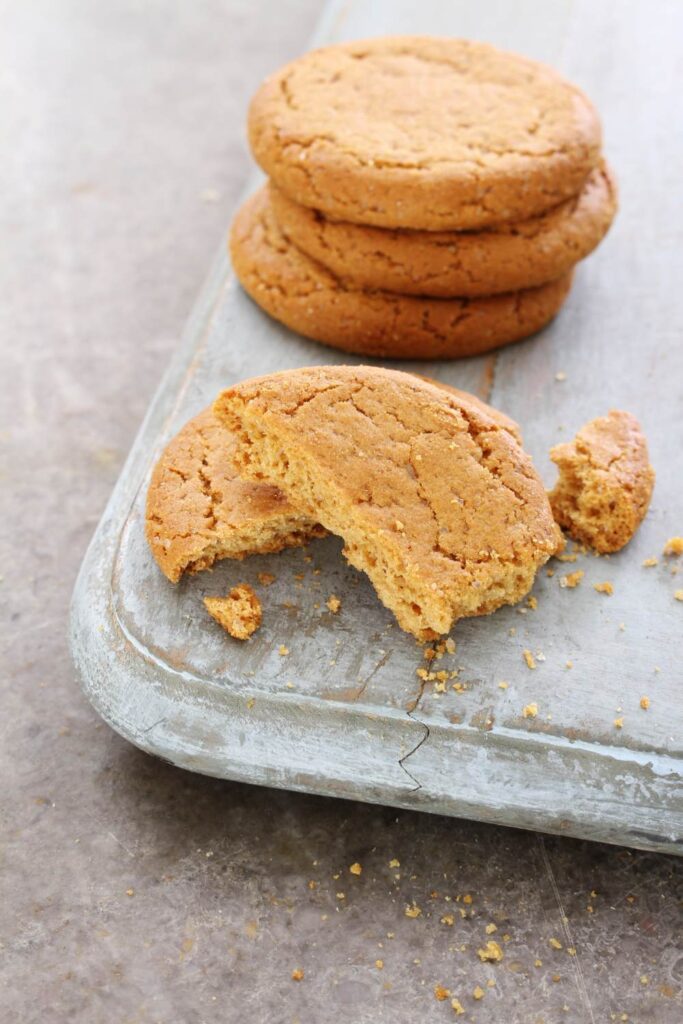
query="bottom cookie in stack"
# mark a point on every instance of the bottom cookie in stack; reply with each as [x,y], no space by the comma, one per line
[308,298]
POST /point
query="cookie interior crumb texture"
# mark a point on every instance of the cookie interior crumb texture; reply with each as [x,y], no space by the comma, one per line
[198,510]
[360,449]
[239,613]
[423,132]
[605,482]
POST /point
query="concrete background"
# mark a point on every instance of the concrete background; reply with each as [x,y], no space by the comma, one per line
[129,890]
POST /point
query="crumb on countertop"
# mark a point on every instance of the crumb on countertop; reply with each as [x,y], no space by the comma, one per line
[529,659]
[649,562]
[674,546]
[530,711]
[356,869]
[619,723]
[266,578]
[604,588]
[297,974]
[644,703]
[333,603]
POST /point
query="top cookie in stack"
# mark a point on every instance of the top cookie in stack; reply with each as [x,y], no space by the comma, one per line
[428,197]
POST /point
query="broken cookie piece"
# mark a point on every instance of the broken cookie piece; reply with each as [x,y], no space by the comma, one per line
[435,499]
[239,613]
[198,509]
[605,482]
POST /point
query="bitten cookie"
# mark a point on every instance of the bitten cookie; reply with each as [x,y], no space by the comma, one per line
[605,482]
[198,510]
[423,132]
[520,254]
[436,502]
[309,299]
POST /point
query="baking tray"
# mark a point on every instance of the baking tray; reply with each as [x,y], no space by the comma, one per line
[344,713]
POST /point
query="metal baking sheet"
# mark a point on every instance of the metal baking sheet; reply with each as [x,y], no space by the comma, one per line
[343,713]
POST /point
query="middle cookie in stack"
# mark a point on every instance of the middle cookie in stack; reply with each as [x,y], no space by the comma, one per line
[428,198]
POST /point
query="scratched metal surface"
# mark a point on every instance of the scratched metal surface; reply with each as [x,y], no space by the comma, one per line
[342,713]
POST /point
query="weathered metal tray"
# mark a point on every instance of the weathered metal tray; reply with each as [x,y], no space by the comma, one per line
[343,713]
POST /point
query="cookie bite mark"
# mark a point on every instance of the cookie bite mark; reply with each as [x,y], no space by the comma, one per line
[198,510]
[307,297]
[605,482]
[362,450]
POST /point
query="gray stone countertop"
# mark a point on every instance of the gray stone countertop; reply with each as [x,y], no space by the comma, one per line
[130,891]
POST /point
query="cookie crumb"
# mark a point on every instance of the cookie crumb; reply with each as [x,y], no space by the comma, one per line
[448,920]
[297,974]
[491,928]
[555,943]
[441,993]
[678,595]
[674,546]
[532,602]
[478,993]
[491,953]
[572,579]
[529,659]
[538,963]
[266,578]
[457,1006]
[394,863]
[619,723]
[644,703]
[604,588]
[530,711]
[379,964]
[413,911]
[649,562]
[356,869]
[333,603]
[503,685]
[239,613]
[283,651]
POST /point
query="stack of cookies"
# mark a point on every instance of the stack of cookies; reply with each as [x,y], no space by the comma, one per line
[428,198]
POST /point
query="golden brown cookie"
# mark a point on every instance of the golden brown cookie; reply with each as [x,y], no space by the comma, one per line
[520,254]
[436,502]
[198,510]
[308,298]
[605,482]
[423,132]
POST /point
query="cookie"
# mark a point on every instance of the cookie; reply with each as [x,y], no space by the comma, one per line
[309,299]
[198,510]
[423,132]
[605,482]
[515,255]
[435,501]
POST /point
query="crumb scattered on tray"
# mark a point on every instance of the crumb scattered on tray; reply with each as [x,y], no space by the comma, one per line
[413,911]
[644,703]
[604,588]
[441,993]
[555,943]
[379,964]
[649,562]
[283,651]
[457,1006]
[503,685]
[355,869]
[618,723]
[491,928]
[266,578]
[674,546]
[394,863]
[333,603]
[572,579]
[478,993]
[530,711]
[678,595]
[239,613]
[529,659]
[491,953]
[297,974]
